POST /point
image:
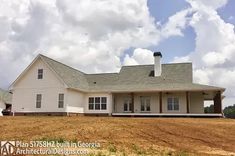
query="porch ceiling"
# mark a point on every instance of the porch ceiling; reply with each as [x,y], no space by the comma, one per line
[209,95]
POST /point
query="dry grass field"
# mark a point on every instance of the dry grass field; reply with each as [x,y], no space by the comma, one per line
[129,136]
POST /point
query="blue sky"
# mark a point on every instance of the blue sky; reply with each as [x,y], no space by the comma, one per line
[174,46]
[228,12]
[161,10]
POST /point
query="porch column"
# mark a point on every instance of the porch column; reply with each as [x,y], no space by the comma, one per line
[218,103]
[160,102]
[132,101]
[187,101]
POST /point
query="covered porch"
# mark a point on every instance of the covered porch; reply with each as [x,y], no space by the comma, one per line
[166,103]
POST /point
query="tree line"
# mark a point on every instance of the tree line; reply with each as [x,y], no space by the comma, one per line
[229,111]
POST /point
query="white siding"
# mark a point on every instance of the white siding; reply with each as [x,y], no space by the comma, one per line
[76,101]
[109,103]
[196,102]
[29,80]
[26,89]
[119,100]
[24,100]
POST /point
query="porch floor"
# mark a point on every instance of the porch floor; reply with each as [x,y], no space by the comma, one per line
[166,115]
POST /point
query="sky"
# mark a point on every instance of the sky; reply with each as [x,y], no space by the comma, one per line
[101,36]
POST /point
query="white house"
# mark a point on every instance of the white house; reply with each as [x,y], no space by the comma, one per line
[48,87]
[5,100]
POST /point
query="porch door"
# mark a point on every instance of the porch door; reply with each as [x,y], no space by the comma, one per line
[145,104]
[127,105]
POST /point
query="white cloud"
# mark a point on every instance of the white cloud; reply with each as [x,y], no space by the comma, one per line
[213,58]
[91,35]
[214,54]
[140,56]
[176,24]
[203,4]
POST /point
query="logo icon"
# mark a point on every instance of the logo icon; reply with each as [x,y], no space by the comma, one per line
[7,148]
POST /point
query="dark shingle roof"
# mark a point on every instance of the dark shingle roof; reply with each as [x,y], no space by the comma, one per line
[171,73]
[175,77]
[73,78]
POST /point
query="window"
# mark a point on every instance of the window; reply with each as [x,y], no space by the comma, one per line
[145,103]
[91,103]
[40,73]
[127,105]
[61,101]
[103,103]
[38,100]
[173,104]
[97,103]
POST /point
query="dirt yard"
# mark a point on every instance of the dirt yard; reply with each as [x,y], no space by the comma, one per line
[129,136]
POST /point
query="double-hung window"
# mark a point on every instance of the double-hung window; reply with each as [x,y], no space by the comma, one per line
[97,103]
[91,103]
[173,104]
[127,105]
[40,73]
[38,100]
[61,101]
[103,103]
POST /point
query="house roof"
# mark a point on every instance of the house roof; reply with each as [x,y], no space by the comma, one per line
[73,78]
[5,96]
[175,77]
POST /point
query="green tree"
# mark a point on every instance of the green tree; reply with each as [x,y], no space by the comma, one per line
[229,111]
[209,109]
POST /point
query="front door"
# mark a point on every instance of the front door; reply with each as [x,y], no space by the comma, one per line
[145,104]
[127,105]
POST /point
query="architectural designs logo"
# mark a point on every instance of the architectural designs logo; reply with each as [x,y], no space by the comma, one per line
[7,148]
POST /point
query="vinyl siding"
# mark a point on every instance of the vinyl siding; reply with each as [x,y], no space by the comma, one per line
[196,102]
[76,101]
[28,86]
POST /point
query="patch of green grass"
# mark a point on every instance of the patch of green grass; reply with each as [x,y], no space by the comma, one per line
[59,140]
[174,153]
[182,153]
[75,140]
[112,148]
[100,154]
[168,153]
[138,150]
[123,152]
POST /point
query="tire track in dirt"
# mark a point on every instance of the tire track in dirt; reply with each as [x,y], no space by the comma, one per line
[144,134]
[208,143]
